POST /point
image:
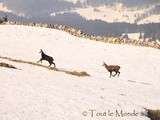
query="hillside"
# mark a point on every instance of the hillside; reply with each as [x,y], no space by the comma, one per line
[103,20]
[121,13]
[33,92]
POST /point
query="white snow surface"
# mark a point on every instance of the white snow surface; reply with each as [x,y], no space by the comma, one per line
[35,93]
[118,13]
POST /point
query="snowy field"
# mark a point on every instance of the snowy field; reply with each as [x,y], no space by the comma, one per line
[35,93]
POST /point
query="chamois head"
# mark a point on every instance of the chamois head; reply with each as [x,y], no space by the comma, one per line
[40,51]
[104,64]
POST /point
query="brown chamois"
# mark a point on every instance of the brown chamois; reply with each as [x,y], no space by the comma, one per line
[112,68]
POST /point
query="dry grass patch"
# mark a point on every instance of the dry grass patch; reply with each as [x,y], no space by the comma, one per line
[79,74]
[75,73]
[153,114]
[6,65]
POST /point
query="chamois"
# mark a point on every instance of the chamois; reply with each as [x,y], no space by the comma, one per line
[47,58]
[4,19]
[112,68]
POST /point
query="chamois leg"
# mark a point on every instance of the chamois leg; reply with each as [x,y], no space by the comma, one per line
[118,73]
[54,64]
[110,74]
[50,64]
[114,74]
[40,60]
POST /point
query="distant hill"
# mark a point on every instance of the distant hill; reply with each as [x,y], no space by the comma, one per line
[95,18]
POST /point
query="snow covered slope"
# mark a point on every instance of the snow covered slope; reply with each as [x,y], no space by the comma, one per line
[120,13]
[35,93]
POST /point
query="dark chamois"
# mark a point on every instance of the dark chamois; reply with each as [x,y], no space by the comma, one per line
[47,58]
[4,19]
[112,68]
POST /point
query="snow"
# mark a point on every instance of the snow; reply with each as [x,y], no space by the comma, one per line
[134,36]
[110,14]
[118,13]
[150,19]
[4,8]
[35,93]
